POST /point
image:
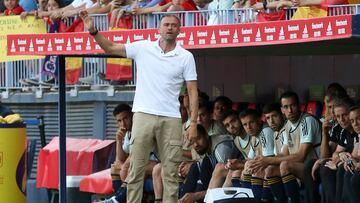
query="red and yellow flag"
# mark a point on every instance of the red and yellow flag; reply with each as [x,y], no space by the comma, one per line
[119,69]
[73,70]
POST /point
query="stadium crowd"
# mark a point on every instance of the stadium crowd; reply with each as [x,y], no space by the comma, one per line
[120,10]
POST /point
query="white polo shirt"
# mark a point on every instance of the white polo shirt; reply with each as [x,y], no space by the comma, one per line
[160,77]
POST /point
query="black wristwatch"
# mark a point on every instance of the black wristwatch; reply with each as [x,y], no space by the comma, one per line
[94,33]
[265,5]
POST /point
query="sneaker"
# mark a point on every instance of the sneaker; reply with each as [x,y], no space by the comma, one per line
[111,200]
[87,80]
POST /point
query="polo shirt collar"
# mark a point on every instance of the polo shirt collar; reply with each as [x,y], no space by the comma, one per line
[174,52]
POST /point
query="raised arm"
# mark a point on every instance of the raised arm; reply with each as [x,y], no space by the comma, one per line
[107,45]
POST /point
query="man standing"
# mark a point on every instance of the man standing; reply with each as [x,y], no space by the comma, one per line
[162,67]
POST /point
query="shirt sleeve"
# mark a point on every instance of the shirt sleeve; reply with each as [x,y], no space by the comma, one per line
[309,129]
[190,68]
[267,142]
[133,49]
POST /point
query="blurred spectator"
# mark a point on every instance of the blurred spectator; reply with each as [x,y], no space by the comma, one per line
[51,6]
[120,8]
[201,4]
[217,18]
[42,5]
[12,7]
[180,5]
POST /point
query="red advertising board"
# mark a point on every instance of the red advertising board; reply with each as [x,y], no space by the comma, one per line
[249,34]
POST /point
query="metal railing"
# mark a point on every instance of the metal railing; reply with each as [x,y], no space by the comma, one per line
[11,73]
[336,10]
[226,16]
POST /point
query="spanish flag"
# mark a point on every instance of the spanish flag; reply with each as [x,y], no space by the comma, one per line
[73,69]
[306,12]
[119,69]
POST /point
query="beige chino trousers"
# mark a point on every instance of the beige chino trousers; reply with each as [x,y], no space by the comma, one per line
[149,131]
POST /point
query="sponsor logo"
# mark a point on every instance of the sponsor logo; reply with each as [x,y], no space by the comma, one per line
[341,23]
[293,27]
[202,34]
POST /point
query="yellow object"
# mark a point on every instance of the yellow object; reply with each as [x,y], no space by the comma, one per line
[2,120]
[120,61]
[14,25]
[354,1]
[12,163]
[73,63]
[309,12]
[14,118]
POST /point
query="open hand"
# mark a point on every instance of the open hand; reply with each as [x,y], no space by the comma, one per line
[88,21]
